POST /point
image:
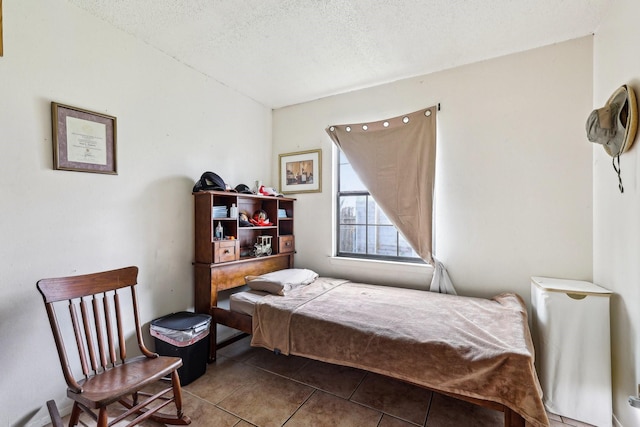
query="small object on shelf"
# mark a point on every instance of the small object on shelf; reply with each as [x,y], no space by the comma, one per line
[243,220]
[219,211]
[233,212]
[268,191]
[262,246]
[260,219]
[243,189]
[282,213]
[219,231]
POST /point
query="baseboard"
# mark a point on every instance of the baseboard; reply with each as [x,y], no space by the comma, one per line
[616,423]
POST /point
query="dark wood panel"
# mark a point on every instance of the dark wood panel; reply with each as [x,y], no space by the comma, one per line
[203,232]
[241,322]
[231,275]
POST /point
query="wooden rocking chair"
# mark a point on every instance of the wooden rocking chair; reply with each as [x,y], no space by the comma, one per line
[108,376]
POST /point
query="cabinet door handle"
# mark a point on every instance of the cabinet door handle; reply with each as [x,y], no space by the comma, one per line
[226,251]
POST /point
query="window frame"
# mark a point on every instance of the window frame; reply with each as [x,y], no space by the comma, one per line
[368,256]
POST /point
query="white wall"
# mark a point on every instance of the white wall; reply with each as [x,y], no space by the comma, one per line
[173,124]
[513,191]
[616,217]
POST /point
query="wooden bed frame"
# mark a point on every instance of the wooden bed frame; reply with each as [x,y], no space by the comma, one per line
[213,278]
[208,285]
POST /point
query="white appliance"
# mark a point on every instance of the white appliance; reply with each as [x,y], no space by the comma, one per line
[570,329]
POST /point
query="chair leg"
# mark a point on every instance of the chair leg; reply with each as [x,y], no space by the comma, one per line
[177,392]
[75,414]
[103,419]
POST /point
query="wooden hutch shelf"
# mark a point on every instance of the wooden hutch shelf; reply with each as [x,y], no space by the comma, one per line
[223,263]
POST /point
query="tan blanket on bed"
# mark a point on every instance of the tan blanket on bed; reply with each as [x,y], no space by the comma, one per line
[472,347]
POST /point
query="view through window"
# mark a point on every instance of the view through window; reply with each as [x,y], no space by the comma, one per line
[363,229]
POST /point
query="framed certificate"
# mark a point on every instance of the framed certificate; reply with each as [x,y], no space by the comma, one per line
[83,140]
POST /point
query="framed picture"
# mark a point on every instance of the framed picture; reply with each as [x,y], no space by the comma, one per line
[83,140]
[301,172]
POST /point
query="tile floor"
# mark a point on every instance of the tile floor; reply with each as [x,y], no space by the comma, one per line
[253,387]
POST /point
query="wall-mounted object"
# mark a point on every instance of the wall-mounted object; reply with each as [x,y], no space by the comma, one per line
[301,172]
[615,125]
[83,140]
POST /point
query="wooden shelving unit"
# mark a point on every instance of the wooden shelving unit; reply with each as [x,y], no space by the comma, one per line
[223,264]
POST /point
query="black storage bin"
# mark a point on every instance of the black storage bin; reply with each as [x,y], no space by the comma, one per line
[184,335]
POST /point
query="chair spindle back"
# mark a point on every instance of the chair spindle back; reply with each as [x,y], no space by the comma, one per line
[96,318]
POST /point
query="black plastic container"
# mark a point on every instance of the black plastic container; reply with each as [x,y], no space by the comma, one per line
[184,335]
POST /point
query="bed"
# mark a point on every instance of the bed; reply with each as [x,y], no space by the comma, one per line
[474,349]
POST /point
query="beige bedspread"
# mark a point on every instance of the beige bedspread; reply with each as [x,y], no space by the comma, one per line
[480,348]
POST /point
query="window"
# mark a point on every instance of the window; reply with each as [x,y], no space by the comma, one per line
[363,229]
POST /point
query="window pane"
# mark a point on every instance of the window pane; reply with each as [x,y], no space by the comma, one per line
[382,240]
[353,239]
[375,214]
[349,181]
[353,209]
[404,250]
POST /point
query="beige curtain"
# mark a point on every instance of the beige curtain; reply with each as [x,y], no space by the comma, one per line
[395,159]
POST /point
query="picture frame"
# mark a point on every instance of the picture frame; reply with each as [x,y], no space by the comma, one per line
[83,140]
[301,172]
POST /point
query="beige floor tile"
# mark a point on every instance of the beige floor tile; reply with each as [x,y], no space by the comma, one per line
[206,414]
[449,412]
[339,380]
[277,363]
[240,350]
[393,397]
[389,421]
[556,423]
[326,410]
[267,403]
[223,377]
[553,417]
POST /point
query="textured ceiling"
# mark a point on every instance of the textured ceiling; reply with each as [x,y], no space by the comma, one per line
[283,52]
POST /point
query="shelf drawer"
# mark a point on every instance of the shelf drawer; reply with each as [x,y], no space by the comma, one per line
[225,251]
[286,244]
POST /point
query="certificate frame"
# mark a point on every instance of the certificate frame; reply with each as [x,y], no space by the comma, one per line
[301,172]
[83,140]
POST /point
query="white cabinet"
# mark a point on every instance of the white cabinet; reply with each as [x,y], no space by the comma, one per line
[570,328]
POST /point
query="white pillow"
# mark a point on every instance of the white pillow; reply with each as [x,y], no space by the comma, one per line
[281,281]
